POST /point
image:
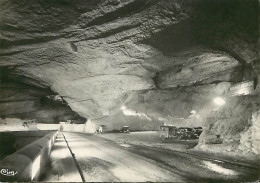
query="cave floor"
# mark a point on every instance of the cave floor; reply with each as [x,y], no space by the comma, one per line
[152,139]
[101,159]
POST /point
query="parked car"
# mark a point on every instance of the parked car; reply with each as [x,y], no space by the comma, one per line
[182,133]
[197,131]
[125,129]
[167,132]
[186,133]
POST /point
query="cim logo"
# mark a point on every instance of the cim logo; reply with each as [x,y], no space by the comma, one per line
[6,172]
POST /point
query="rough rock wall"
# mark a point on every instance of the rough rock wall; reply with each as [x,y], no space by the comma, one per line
[250,138]
[140,63]
[237,125]
[27,103]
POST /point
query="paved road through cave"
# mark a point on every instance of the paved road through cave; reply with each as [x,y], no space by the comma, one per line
[104,160]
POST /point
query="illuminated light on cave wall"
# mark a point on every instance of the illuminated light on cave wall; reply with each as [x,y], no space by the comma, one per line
[243,91]
[243,88]
[219,101]
[193,112]
[162,119]
[129,112]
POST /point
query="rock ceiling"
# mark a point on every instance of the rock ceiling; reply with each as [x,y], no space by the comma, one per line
[123,60]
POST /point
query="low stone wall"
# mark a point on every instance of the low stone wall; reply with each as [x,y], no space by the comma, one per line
[12,141]
[28,163]
[15,124]
[72,127]
[42,126]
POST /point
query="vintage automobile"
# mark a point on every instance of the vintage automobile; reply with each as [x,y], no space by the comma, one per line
[186,133]
[197,131]
[167,131]
[182,133]
[125,129]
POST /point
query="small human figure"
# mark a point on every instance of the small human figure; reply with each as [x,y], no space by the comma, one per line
[100,130]
[25,124]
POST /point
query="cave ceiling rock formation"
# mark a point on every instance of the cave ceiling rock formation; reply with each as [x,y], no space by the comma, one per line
[89,55]
[140,63]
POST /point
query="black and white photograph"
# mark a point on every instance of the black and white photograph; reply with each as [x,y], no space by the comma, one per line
[130,91]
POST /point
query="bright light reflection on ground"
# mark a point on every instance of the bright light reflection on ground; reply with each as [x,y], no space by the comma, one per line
[60,150]
[60,153]
[125,145]
[219,169]
[128,175]
[91,152]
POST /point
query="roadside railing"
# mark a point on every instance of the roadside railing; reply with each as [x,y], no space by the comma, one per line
[28,163]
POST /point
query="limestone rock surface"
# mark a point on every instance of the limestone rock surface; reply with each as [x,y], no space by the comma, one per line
[30,103]
[140,63]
